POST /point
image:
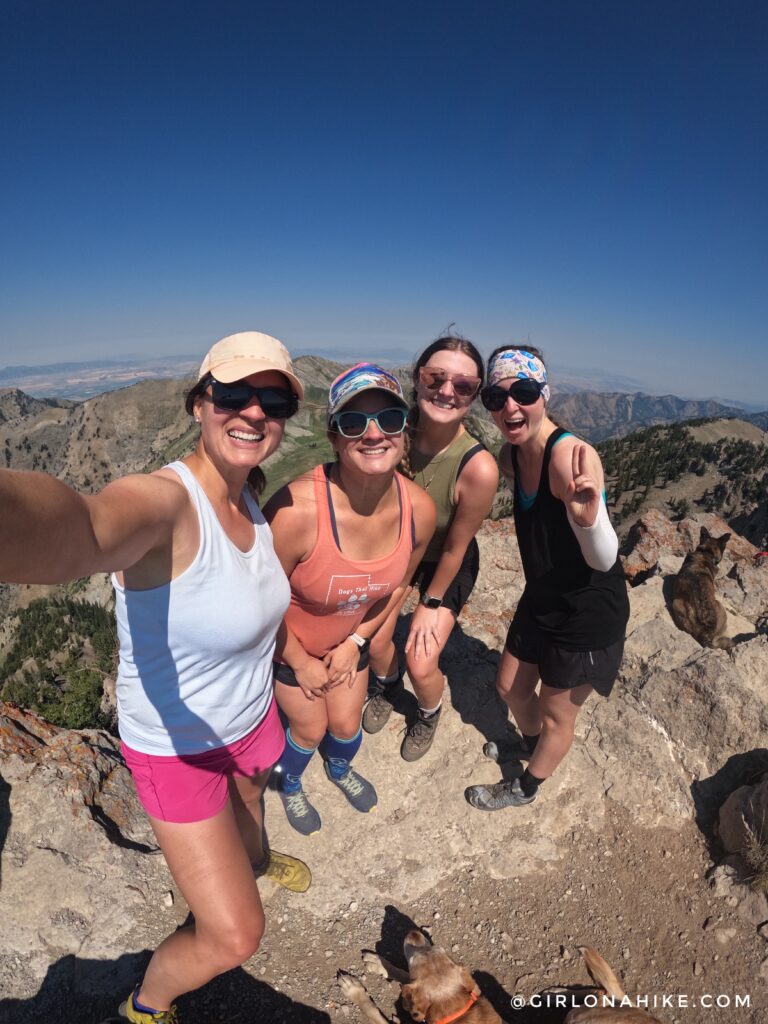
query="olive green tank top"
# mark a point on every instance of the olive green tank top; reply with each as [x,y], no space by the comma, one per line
[437,474]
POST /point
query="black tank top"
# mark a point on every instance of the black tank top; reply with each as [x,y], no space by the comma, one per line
[580,608]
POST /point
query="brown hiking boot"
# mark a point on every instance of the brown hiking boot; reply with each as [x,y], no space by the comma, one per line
[377,712]
[419,736]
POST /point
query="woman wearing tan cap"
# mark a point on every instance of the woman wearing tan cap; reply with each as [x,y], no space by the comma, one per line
[199,597]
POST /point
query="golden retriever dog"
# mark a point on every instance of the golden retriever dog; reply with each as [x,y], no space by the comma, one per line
[435,989]
[607,985]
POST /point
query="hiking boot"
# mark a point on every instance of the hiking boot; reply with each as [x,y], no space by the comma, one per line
[299,811]
[128,1012]
[516,750]
[358,791]
[290,872]
[419,736]
[377,712]
[497,796]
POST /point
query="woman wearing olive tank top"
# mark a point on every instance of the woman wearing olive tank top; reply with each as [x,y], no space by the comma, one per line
[461,477]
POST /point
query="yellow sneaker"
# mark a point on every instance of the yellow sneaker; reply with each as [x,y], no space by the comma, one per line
[289,872]
[129,1012]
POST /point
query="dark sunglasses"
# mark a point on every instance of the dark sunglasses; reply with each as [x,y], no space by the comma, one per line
[524,391]
[355,424]
[276,403]
[463,385]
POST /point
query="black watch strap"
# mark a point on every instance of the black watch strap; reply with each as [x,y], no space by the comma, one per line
[431,602]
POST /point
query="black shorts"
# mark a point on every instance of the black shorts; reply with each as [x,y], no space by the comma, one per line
[460,587]
[559,667]
[285,674]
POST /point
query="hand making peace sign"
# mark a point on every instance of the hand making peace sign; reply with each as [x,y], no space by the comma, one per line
[582,494]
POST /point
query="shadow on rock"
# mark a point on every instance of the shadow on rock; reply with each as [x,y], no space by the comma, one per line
[5,813]
[90,992]
[710,794]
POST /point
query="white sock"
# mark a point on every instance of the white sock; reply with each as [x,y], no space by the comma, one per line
[430,711]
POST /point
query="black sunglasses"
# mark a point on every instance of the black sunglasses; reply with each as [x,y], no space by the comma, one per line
[355,424]
[276,403]
[524,391]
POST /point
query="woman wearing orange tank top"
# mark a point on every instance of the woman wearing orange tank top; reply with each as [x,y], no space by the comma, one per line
[349,536]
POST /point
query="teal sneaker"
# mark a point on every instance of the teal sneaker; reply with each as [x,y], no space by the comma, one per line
[299,811]
[358,791]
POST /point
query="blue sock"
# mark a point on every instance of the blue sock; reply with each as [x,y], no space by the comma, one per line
[292,763]
[338,753]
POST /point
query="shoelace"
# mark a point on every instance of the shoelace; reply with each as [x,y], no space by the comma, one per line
[297,804]
[350,782]
[421,729]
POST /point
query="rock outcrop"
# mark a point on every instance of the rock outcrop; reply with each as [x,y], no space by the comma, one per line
[679,734]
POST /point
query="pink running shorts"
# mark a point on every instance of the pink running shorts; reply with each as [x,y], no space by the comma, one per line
[196,786]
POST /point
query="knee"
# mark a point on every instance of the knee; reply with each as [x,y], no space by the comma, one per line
[421,670]
[380,648]
[308,736]
[345,728]
[238,943]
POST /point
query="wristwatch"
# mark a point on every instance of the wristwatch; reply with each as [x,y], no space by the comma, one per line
[362,642]
[431,602]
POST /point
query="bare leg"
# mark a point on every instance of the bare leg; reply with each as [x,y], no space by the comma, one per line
[382,653]
[247,796]
[424,672]
[559,711]
[211,867]
[344,706]
[516,683]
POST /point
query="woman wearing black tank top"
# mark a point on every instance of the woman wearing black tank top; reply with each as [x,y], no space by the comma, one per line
[568,630]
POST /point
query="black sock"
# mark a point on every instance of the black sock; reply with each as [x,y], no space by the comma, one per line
[529,783]
[530,741]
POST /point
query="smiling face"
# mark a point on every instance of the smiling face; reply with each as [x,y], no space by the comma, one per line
[374,452]
[442,404]
[519,423]
[245,438]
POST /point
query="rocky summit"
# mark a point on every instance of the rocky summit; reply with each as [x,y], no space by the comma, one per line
[636,807]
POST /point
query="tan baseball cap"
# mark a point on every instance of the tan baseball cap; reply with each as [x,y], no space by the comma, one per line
[240,355]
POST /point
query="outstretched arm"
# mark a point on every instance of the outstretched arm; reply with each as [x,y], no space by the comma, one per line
[50,533]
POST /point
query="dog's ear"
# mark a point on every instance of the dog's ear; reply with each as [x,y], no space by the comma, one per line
[414,1001]
[704,535]
[722,541]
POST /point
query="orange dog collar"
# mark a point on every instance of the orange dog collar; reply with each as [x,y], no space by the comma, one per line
[459,1013]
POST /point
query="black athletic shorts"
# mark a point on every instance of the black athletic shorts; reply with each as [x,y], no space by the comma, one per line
[559,667]
[460,587]
[285,674]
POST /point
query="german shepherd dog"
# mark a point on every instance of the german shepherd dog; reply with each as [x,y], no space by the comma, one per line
[694,606]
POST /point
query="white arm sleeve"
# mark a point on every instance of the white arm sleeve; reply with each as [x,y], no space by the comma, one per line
[598,542]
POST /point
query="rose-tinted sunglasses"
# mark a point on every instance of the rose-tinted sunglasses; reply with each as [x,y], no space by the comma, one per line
[524,391]
[463,384]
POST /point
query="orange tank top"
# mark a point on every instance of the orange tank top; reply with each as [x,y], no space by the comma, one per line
[330,593]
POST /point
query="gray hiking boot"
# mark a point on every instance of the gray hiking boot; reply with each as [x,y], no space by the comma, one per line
[419,736]
[358,791]
[498,795]
[377,712]
[300,813]
[515,750]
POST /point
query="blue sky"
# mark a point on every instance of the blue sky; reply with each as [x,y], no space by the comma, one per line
[591,175]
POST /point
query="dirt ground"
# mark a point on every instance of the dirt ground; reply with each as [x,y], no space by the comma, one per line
[641,897]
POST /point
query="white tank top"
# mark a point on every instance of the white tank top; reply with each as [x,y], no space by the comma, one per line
[196,653]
